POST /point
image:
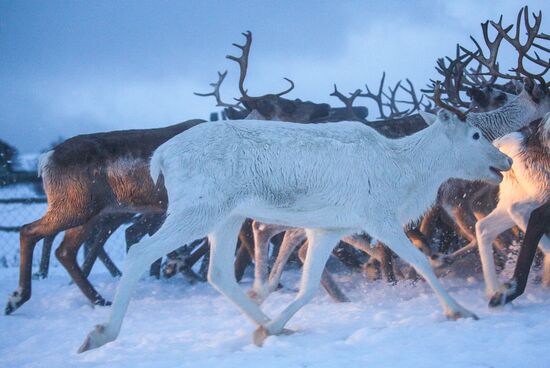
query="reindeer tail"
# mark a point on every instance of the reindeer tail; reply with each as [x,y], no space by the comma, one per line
[43,162]
[157,165]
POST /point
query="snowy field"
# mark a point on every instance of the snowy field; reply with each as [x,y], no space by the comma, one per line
[173,324]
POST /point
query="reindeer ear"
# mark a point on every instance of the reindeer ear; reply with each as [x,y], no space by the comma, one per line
[428,117]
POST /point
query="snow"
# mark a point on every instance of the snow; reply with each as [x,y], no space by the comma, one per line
[173,324]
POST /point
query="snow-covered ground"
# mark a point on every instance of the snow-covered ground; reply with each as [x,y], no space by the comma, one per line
[173,324]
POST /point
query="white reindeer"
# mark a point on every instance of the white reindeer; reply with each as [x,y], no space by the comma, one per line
[525,188]
[331,179]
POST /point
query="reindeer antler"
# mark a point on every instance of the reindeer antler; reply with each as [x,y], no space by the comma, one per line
[439,102]
[348,102]
[243,65]
[378,97]
[216,93]
[417,104]
[392,104]
[523,49]
[389,100]
[491,63]
[455,78]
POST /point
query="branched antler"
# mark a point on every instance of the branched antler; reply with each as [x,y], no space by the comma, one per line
[490,61]
[439,102]
[455,78]
[243,65]
[378,97]
[216,93]
[523,49]
[392,104]
[348,102]
[532,31]
[417,104]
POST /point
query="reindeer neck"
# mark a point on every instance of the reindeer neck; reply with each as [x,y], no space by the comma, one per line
[505,120]
[425,162]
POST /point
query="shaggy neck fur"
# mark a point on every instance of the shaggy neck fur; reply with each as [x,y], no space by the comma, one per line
[509,118]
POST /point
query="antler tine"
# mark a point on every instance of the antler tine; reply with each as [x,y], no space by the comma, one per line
[348,102]
[377,97]
[439,102]
[415,102]
[394,110]
[243,61]
[216,93]
[288,89]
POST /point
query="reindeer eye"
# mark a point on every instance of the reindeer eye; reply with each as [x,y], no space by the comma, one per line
[476,136]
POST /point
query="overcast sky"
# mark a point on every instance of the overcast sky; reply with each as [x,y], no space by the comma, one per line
[69,67]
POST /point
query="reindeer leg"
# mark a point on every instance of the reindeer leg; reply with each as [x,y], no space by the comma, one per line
[386,262]
[45,259]
[66,254]
[262,236]
[291,240]
[173,231]
[327,281]
[242,259]
[220,273]
[487,229]
[538,223]
[402,247]
[521,214]
[108,263]
[103,229]
[428,225]
[146,224]
[320,246]
[49,225]
[380,253]
[245,252]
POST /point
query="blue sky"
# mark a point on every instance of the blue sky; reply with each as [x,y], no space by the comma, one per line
[69,67]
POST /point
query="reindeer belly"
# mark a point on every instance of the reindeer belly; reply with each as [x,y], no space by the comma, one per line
[329,218]
[133,188]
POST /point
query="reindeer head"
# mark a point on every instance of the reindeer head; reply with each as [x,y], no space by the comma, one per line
[271,106]
[488,98]
[475,156]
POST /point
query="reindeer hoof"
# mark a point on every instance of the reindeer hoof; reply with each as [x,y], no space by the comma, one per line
[39,275]
[504,295]
[9,308]
[102,302]
[15,300]
[261,334]
[462,313]
[95,339]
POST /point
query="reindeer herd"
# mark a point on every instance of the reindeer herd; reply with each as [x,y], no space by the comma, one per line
[383,186]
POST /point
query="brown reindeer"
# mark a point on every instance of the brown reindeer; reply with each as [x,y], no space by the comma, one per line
[84,178]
